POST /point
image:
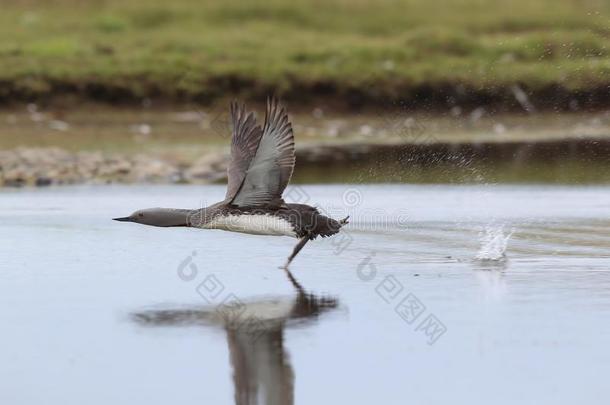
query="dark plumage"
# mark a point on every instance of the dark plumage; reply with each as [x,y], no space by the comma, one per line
[262,162]
[306,221]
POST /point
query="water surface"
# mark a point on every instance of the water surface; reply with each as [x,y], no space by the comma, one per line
[398,310]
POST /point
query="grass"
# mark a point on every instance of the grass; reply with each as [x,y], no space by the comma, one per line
[359,50]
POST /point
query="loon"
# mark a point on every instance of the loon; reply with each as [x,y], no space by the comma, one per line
[261,165]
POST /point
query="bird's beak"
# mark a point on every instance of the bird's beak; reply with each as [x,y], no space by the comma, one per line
[124,219]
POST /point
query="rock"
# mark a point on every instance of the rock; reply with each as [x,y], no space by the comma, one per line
[45,166]
[146,169]
[44,181]
[208,169]
[58,125]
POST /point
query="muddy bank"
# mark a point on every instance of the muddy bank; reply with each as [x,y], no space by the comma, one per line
[570,160]
[337,96]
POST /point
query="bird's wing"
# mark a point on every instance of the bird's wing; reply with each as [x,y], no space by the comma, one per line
[245,139]
[271,168]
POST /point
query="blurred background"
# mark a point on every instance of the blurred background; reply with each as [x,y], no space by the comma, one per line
[468,141]
[135,91]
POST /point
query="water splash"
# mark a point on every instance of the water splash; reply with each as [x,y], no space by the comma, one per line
[493,244]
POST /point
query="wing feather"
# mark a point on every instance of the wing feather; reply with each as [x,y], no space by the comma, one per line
[271,168]
[246,136]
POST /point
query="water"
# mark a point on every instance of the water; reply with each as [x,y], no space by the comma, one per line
[402,311]
[493,244]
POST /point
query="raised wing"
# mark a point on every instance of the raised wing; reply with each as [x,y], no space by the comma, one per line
[271,168]
[244,142]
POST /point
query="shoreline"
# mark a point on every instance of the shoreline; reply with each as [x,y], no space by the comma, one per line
[55,166]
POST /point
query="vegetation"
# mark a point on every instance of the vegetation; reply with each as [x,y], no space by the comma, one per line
[355,50]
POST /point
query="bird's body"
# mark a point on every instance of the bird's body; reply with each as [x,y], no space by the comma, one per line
[254,224]
[295,220]
[262,162]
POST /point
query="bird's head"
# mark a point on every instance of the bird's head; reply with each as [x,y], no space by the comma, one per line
[158,217]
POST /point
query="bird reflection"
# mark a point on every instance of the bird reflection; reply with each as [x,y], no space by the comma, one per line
[262,372]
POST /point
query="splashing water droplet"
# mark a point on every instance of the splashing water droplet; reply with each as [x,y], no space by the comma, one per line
[493,243]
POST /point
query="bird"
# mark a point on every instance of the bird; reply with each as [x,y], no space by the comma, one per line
[261,164]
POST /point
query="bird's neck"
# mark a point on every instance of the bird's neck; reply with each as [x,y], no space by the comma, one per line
[175,217]
[198,218]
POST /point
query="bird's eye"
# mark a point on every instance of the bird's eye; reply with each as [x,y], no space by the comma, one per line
[140,215]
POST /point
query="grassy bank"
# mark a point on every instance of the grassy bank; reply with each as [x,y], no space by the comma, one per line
[421,51]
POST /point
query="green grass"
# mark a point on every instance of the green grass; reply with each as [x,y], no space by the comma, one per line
[194,50]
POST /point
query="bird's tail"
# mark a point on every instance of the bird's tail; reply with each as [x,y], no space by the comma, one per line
[326,226]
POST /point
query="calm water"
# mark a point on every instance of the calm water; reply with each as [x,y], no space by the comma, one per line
[434,295]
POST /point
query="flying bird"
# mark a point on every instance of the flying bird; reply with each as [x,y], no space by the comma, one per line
[261,164]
